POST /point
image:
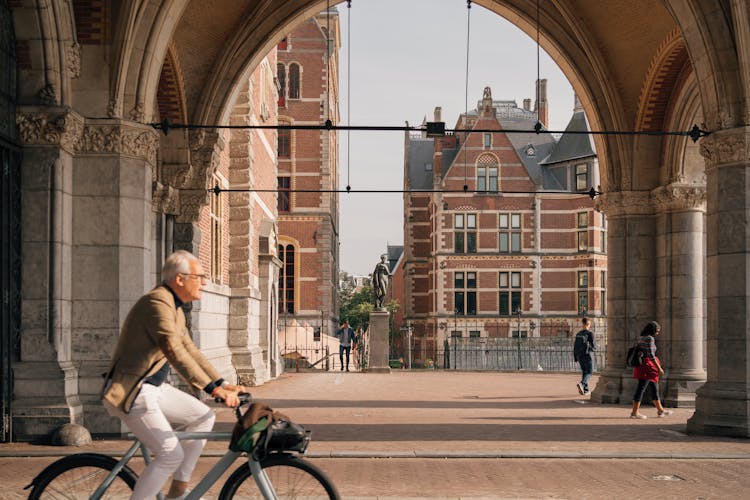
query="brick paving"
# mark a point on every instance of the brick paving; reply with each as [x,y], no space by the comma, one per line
[472,435]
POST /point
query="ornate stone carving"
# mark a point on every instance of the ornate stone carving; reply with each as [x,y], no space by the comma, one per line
[50,128]
[191,203]
[140,142]
[74,60]
[137,113]
[726,147]
[675,198]
[165,199]
[114,108]
[120,138]
[174,174]
[48,95]
[619,203]
[205,148]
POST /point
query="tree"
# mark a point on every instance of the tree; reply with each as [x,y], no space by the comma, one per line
[356,307]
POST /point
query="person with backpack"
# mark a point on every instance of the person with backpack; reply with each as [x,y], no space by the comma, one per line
[648,372]
[583,346]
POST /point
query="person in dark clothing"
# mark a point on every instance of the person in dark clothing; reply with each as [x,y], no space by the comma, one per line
[648,372]
[582,349]
[346,337]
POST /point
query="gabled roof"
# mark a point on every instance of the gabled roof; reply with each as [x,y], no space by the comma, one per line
[420,155]
[394,254]
[572,146]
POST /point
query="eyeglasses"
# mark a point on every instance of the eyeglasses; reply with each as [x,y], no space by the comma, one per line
[202,277]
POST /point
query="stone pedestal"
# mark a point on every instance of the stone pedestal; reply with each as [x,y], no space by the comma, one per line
[379,347]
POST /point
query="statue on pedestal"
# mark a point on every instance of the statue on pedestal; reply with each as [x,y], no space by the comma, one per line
[380,282]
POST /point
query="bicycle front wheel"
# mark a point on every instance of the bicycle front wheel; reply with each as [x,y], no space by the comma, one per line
[78,476]
[291,477]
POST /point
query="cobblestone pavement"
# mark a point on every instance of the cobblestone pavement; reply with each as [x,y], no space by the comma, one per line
[470,435]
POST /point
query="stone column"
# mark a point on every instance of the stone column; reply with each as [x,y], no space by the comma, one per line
[379,342]
[721,405]
[680,213]
[89,184]
[45,377]
[630,286]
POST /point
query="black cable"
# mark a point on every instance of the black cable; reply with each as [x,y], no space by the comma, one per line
[217,190]
[165,125]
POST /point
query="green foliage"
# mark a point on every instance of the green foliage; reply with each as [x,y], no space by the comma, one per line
[355,307]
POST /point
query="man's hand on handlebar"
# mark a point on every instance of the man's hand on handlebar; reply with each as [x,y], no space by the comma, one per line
[236,388]
[226,396]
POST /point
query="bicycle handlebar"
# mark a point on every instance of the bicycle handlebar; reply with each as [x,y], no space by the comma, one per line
[244,397]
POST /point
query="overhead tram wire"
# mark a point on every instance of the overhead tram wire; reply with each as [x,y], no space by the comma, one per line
[218,190]
[166,125]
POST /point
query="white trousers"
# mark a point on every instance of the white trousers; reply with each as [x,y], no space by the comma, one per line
[155,414]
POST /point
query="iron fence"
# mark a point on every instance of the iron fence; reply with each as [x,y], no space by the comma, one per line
[529,354]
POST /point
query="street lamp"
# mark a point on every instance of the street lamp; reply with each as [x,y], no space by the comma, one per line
[517,312]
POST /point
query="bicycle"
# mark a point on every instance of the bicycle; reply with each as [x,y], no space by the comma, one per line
[279,474]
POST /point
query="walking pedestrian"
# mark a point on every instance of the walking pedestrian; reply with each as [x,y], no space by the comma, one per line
[648,372]
[583,345]
[346,337]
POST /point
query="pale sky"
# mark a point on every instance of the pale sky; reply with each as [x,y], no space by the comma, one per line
[409,56]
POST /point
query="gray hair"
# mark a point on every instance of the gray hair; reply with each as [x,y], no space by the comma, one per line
[177,263]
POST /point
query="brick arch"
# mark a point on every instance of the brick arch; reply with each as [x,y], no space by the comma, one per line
[662,82]
[170,96]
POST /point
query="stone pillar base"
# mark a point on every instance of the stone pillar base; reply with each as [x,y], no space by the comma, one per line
[680,388]
[721,411]
[614,387]
[379,343]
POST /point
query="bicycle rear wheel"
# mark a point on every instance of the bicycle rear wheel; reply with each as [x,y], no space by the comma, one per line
[78,476]
[291,477]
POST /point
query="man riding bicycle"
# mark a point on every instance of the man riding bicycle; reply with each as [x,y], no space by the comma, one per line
[153,338]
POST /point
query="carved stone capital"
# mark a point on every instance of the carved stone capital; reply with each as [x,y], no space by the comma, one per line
[174,174]
[205,149]
[50,128]
[676,198]
[165,199]
[619,203]
[726,147]
[117,137]
[191,203]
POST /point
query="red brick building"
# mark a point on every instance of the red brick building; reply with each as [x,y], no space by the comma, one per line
[500,237]
[308,174]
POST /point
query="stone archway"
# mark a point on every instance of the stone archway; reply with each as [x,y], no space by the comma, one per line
[607,63]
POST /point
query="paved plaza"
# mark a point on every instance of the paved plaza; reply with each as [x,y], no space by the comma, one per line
[471,435]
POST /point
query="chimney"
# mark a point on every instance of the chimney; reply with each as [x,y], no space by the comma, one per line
[527,104]
[541,101]
[438,113]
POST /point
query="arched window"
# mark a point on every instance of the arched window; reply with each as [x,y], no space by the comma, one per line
[487,169]
[281,75]
[286,279]
[294,81]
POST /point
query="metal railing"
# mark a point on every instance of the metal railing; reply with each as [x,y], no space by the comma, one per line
[528,354]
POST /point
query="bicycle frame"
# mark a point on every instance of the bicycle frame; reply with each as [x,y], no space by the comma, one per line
[213,475]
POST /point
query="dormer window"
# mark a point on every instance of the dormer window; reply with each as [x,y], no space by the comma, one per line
[530,151]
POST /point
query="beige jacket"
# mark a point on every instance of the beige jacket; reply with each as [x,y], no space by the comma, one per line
[154,333]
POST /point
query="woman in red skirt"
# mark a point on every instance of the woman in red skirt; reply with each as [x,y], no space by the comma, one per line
[648,372]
